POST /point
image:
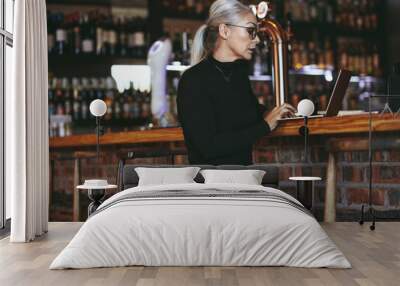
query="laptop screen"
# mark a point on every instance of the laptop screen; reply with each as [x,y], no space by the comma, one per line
[338,93]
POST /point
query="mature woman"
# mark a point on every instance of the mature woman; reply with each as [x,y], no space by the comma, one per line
[220,116]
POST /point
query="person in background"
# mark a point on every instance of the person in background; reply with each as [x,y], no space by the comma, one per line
[220,116]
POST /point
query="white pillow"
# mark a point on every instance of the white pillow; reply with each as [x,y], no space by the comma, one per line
[249,177]
[162,176]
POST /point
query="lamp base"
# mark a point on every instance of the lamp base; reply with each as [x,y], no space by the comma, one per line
[96,196]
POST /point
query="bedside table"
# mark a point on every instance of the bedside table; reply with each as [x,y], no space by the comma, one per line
[305,190]
[96,194]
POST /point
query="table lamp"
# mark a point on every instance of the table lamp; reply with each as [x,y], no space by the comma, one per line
[96,187]
[305,183]
[305,108]
[98,108]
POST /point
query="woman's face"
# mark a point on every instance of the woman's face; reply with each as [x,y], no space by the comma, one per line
[239,39]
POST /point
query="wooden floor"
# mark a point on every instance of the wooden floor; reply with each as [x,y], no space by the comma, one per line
[375,257]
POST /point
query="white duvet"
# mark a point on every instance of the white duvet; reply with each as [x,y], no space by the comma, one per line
[200,231]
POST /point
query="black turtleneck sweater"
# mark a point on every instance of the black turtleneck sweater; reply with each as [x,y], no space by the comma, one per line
[219,114]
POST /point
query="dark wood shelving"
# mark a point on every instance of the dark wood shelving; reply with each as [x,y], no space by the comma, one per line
[93,59]
[365,34]
[88,65]
[107,3]
[337,31]
[312,25]
[81,2]
[179,16]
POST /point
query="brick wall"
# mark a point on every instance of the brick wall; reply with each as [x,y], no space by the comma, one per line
[285,153]
[352,174]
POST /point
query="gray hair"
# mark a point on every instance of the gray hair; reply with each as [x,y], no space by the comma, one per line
[221,11]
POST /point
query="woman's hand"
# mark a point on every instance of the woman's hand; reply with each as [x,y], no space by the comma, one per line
[283,111]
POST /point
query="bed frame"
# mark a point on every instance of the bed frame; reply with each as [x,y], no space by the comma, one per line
[130,178]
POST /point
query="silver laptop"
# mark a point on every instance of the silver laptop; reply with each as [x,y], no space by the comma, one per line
[337,95]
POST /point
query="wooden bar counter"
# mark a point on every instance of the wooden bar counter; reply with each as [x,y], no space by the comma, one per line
[318,126]
[331,138]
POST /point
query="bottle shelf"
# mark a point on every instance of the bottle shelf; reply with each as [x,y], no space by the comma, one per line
[177,16]
[88,65]
[81,2]
[333,29]
[94,59]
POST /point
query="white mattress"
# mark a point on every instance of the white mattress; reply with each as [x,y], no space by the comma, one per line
[200,231]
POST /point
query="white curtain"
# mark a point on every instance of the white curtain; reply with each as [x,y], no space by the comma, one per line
[27,149]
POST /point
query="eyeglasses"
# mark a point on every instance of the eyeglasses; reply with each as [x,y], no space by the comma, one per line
[253,31]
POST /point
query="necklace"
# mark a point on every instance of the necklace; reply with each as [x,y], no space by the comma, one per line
[227,78]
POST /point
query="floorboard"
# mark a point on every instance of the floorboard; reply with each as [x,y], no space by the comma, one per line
[374,255]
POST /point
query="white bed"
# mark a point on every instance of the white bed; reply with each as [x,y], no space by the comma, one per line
[185,230]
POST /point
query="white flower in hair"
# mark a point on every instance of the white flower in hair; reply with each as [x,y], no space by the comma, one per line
[261,10]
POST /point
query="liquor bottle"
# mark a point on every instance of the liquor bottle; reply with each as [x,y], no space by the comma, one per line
[363,60]
[134,104]
[328,54]
[146,108]
[76,42]
[109,99]
[366,15]
[51,33]
[339,13]
[176,46]
[343,56]
[138,100]
[67,97]
[140,38]
[131,37]
[112,37]
[376,61]
[123,37]
[61,36]
[200,8]
[312,55]
[329,14]
[303,54]
[51,105]
[370,61]
[305,15]
[76,102]
[351,54]
[174,94]
[84,99]
[320,57]
[125,105]
[100,49]
[106,37]
[373,17]
[87,35]
[91,90]
[101,89]
[313,8]
[185,56]
[296,56]
[117,105]
[59,100]
[190,7]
